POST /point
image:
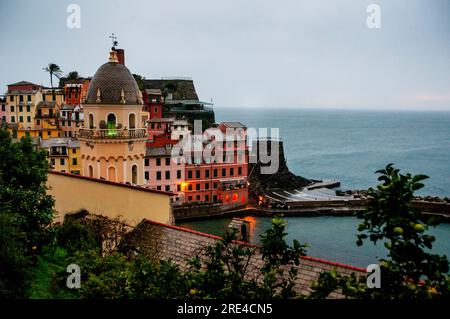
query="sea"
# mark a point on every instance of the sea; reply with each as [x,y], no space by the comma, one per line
[348,145]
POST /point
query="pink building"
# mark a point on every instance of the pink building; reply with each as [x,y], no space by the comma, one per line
[159,127]
[161,171]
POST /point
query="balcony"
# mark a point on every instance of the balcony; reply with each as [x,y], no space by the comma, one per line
[119,134]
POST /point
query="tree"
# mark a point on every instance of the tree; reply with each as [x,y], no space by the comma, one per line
[410,271]
[26,210]
[73,75]
[54,70]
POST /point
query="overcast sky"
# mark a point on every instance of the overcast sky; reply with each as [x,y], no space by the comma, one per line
[312,54]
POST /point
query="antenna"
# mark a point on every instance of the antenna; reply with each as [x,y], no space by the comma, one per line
[114,41]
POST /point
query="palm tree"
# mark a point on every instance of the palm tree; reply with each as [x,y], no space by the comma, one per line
[73,75]
[53,69]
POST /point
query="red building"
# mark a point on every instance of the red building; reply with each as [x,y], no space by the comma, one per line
[153,103]
[222,180]
[75,90]
[159,127]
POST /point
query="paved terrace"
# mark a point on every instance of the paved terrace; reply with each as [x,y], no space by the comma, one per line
[165,242]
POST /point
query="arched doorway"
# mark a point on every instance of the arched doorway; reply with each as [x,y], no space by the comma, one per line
[132,121]
[91,171]
[134,173]
[112,174]
[91,121]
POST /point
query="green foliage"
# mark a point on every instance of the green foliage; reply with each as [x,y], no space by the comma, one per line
[26,211]
[410,271]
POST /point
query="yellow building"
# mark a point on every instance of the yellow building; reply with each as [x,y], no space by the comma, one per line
[22,99]
[113,137]
[63,154]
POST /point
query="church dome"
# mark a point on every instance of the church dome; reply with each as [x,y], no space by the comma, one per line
[113,83]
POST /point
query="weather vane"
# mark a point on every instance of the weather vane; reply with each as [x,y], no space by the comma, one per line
[114,41]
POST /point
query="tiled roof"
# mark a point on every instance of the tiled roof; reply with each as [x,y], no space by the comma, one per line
[111,78]
[165,242]
[51,104]
[24,83]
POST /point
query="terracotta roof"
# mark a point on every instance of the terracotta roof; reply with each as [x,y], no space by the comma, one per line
[24,83]
[233,124]
[178,244]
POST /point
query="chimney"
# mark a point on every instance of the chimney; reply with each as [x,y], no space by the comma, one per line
[121,56]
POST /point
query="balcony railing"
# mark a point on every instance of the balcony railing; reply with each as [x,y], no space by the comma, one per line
[112,133]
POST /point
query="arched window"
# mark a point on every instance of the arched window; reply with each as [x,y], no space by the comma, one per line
[91,121]
[111,119]
[134,174]
[112,174]
[91,171]
[132,121]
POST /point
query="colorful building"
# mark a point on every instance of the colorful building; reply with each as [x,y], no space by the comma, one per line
[71,120]
[22,99]
[63,154]
[220,180]
[162,171]
[153,102]
[159,127]
[76,90]
[113,138]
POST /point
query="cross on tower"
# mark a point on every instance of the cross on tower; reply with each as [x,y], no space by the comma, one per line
[114,41]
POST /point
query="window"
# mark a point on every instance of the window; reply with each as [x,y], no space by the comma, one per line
[11,98]
[63,123]
[167,188]
[13,119]
[168,161]
[224,172]
[206,185]
[28,108]
[231,171]
[38,122]
[198,197]
[206,198]
[197,174]
[207,173]
[132,121]
[189,187]
[215,172]
[74,150]
[111,120]
[178,188]
[158,176]
[3,107]
[189,174]
[52,161]
[40,134]
[29,99]
[215,185]
[167,174]
[29,119]
[91,121]
[239,170]
[190,198]
[146,175]
[21,98]
[74,161]
[20,119]
[158,162]
[147,162]
[11,108]
[49,133]
[62,161]
[134,173]
[20,108]
[91,171]
[214,198]
[197,186]
[179,174]
[158,187]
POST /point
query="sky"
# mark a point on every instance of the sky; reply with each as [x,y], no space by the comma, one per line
[247,53]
